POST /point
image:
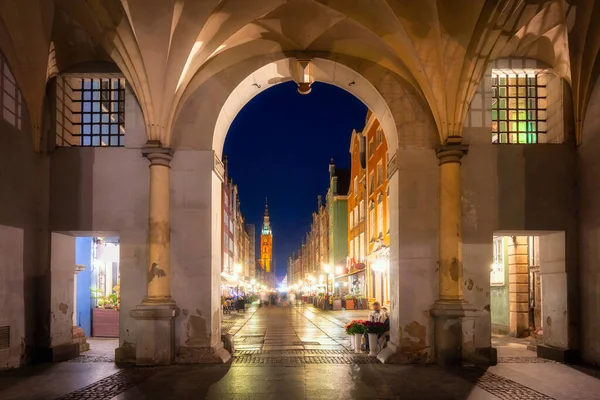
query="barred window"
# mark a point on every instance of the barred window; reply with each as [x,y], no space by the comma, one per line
[90,111]
[10,98]
[519,107]
[101,112]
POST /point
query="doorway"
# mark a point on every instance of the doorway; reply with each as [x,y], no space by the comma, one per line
[528,292]
[93,324]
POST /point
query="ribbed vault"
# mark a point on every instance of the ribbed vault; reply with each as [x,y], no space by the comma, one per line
[167,48]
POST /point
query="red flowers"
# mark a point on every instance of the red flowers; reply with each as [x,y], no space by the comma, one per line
[356,326]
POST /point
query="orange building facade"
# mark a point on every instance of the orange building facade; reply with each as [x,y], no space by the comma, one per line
[368,214]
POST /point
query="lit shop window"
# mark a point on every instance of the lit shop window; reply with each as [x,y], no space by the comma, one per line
[12,108]
[519,107]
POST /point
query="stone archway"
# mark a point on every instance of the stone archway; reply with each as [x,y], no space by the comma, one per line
[409,128]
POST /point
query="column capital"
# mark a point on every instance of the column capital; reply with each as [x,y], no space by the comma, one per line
[452,151]
[157,154]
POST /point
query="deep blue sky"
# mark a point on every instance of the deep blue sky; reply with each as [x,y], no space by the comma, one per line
[279,146]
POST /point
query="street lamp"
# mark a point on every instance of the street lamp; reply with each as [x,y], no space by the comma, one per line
[327,269]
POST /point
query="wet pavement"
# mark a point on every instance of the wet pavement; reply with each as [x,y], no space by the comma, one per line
[302,353]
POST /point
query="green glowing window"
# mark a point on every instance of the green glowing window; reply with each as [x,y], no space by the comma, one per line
[518,107]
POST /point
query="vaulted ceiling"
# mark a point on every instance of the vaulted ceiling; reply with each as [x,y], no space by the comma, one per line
[165,48]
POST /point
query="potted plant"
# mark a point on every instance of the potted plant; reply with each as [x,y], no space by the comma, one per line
[356,329]
[337,303]
[105,317]
[349,302]
[374,329]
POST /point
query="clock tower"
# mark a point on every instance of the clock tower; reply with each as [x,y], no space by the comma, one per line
[266,242]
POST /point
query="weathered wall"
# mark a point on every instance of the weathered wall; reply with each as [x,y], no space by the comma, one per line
[62,273]
[20,186]
[555,309]
[511,188]
[95,190]
[414,219]
[499,300]
[12,302]
[589,230]
[196,254]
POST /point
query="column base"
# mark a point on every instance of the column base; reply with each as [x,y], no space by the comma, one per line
[62,352]
[565,356]
[202,355]
[155,333]
[413,354]
[454,332]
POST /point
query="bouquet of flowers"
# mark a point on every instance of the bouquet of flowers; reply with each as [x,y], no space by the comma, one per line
[356,327]
[375,327]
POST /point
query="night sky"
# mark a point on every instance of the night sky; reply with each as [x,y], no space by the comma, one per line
[279,146]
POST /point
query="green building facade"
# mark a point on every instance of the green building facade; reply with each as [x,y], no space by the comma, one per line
[337,208]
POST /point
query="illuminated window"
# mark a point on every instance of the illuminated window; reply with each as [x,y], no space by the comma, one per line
[379,136]
[380,218]
[371,148]
[371,183]
[380,174]
[372,221]
[12,108]
[351,219]
[361,211]
[519,107]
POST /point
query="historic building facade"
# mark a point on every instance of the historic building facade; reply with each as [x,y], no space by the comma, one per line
[491,117]
[266,243]
[366,272]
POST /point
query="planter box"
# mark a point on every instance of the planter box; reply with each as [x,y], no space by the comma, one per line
[105,323]
[349,304]
[337,305]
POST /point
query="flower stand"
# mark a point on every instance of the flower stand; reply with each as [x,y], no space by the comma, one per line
[373,343]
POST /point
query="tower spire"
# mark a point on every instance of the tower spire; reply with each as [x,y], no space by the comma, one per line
[266,222]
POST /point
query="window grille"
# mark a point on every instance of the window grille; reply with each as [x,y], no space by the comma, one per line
[519,108]
[99,111]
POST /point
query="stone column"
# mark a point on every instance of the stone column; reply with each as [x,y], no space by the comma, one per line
[518,278]
[454,318]
[155,327]
[159,229]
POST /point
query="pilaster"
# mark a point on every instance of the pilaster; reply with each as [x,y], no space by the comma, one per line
[454,317]
[155,317]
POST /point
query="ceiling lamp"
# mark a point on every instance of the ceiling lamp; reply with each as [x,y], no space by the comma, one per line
[305,76]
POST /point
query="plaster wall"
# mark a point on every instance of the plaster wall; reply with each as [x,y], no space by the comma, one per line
[414,208]
[511,188]
[12,302]
[499,299]
[62,272]
[554,290]
[589,229]
[106,189]
[196,252]
[21,188]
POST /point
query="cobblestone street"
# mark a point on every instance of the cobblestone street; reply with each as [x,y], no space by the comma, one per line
[301,353]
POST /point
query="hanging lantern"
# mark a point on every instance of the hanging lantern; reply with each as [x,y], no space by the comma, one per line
[305,76]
